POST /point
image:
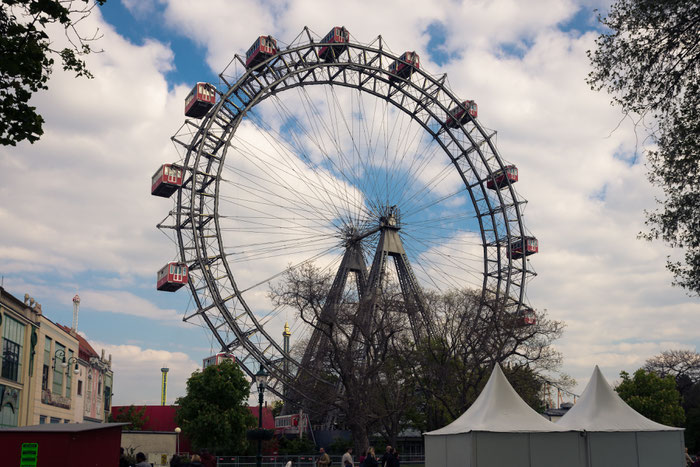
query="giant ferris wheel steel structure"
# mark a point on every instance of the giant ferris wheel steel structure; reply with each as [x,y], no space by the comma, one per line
[319,151]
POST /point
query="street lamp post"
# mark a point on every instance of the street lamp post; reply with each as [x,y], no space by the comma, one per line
[177,440]
[64,363]
[261,380]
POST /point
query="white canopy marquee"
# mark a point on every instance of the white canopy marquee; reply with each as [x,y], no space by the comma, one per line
[601,430]
[500,429]
[617,435]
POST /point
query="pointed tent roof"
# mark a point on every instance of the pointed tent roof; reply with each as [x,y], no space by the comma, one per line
[600,408]
[498,409]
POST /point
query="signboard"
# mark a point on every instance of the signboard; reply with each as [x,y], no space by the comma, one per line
[29,455]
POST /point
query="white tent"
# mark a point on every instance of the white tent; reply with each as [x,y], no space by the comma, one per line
[499,430]
[617,435]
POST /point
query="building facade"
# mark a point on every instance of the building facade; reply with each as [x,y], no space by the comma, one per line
[48,372]
[56,388]
[19,332]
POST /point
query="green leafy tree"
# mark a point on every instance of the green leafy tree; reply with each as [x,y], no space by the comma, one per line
[652,396]
[649,61]
[135,417]
[214,414]
[684,367]
[27,57]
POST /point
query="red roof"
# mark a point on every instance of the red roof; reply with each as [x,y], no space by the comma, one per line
[162,417]
[85,350]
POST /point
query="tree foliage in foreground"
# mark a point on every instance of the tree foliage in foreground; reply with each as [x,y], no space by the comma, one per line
[684,367]
[652,396]
[393,376]
[649,61]
[214,413]
[27,56]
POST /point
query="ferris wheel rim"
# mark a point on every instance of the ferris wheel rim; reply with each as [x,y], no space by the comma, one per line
[274,88]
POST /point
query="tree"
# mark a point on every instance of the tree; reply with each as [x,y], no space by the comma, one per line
[652,396]
[684,367]
[393,376]
[452,367]
[354,350]
[214,413]
[27,58]
[649,61]
[136,418]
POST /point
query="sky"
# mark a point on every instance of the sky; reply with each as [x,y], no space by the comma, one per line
[77,215]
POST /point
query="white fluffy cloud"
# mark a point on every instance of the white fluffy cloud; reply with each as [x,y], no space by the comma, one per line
[77,201]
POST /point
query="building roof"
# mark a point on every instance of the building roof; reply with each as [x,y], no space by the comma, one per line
[162,417]
[83,345]
[499,409]
[600,408]
[63,427]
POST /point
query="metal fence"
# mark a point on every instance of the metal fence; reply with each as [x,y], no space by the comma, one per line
[299,461]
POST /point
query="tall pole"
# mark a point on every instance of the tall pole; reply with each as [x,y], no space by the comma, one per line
[261,389]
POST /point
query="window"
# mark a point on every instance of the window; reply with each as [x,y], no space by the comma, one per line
[57,387]
[42,419]
[45,377]
[80,387]
[12,342]
[47,364]
[55,420]
[10,359]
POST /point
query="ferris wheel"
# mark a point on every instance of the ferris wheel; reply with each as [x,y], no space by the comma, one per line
[345,155]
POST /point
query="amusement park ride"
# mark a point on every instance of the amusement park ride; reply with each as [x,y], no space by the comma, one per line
[326,185]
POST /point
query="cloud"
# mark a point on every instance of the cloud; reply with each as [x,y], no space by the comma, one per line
[137,373]
[76,204]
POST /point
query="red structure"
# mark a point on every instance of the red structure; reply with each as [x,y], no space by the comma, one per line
[404,66]
[161,418]
[172,276]
[501,177]
[337,35]
[531,247]
[526,317]
[62,445]
[166,180]
[461,114]
[262,49]
[201,98]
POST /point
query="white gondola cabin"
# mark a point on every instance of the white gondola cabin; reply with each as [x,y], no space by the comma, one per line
[404,66]
[339,37]
[531,247]
[501,177]
[201,98]
[166,180]
[172,276]
[262,49]
[462,113]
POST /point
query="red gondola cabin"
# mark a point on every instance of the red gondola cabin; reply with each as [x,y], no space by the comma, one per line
[172,277]
[201,98]
[526,317]
[459,115]
[166,180]
[339,36]
[516,248]
[263,48]
[501,177]
[404,66]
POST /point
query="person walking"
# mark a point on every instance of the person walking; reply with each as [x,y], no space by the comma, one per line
[324,459]
[388,458]
[346,461]
[371,459]
[141,460]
